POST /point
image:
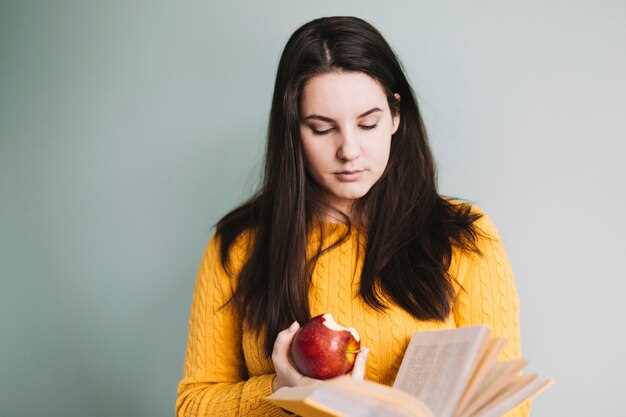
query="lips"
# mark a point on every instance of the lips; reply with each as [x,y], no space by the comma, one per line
[353,176]
[348,172]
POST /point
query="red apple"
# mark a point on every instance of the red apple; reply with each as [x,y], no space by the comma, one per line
[323,349]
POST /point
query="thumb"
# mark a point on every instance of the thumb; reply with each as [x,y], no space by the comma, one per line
[358,371]
[291,332]
[280,354]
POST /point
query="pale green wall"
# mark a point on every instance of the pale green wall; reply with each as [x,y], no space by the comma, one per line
[128,128]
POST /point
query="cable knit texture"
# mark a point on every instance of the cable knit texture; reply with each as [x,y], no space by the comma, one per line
[225,372]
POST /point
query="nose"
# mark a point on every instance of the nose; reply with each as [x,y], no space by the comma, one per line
[349,148]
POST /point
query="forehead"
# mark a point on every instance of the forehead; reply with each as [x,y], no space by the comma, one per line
[341,94]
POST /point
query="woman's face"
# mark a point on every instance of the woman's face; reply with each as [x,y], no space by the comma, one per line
[345,125]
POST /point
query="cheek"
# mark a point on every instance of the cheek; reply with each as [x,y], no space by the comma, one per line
[378,151]
[316,154]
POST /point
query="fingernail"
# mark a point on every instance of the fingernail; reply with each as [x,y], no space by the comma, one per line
[293,326]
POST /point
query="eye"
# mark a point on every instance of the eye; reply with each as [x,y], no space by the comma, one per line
[323,132]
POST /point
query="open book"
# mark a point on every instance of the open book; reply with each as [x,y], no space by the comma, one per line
[444,373]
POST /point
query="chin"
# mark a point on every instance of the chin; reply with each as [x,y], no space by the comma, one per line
[352,193]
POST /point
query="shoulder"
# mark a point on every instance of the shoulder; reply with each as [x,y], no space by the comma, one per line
[219,275]
[239,243]
[486,239]
[484,224]
[232,255]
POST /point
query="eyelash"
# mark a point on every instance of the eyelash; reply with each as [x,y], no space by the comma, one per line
[323,132]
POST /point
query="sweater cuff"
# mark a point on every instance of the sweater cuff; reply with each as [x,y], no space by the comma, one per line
[252,402]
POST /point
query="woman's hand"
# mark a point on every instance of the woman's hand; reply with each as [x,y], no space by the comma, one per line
[358,371]
[288,376]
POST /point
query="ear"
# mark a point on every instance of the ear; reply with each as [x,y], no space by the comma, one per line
[396,122]
[396,116]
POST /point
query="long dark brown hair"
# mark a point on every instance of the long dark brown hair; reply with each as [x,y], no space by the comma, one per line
[409,227]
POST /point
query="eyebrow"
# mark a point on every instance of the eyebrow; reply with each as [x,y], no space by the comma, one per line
[328,119]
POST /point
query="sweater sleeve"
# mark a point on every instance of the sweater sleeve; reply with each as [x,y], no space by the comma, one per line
[214,380]
[491,298]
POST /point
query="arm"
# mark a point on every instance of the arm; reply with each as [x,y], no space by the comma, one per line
[491,297]
[214,376]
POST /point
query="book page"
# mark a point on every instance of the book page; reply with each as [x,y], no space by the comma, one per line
[514,385]
[348,403]
[527,387]
[486,363]
[344,396]
[438,364]
[496,380]
[304,408]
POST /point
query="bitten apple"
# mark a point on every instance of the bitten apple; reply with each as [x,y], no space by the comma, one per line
[323,349]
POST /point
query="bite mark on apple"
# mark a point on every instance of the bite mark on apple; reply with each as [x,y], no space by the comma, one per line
[330,322]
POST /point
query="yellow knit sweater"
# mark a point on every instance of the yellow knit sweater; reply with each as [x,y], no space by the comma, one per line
[225,372]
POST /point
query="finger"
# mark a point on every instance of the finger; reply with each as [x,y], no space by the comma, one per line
[358,371]
[283,339]
[280,353]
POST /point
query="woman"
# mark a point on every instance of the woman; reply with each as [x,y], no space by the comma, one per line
[380,249]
